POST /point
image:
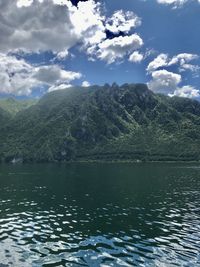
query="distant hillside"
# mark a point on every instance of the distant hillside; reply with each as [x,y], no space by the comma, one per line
[13,106]
[129,122]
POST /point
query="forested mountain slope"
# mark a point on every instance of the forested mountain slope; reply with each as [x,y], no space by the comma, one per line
[129,122]
[13,106]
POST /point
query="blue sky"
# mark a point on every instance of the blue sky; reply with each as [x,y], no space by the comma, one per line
[48,45]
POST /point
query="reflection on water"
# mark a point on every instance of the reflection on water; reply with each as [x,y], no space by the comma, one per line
[100,215]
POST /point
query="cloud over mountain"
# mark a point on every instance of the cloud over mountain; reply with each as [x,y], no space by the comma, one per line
[38,26]
[21,78]
[47,44]
[168,82]
[164,81]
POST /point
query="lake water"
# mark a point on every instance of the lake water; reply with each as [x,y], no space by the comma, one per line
[100,215]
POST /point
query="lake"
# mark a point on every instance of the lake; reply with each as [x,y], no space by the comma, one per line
[100,215]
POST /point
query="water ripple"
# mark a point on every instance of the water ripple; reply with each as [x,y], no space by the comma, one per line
[44,225]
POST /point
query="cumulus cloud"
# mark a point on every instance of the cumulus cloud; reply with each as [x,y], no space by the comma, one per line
[54,74]
[21,78]
[57,26]
[168,83]
[88,22]
[34,27]
[116,48]
[164,81]
[44,25]
[85,84]
[186,91]
[174,3]
[95,41]
[136,57]
[181,60]
[122,21]
[62,55]
[160,61]
[191,67]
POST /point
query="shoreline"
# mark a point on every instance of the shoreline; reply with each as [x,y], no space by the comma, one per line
[102,162]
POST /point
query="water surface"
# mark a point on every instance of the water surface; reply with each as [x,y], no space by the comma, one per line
[100,215]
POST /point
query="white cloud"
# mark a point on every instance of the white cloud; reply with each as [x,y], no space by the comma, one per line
[85,84]
[60,2]
[43,25]
[174,3]
[192,68]
[136,57]
[88,22]
[186,91]
[62,55]
[182,60]
[57,26]
[24,3]
[160,61]
[164,81]
[54,74]
[21,78]
[168,83]
[35,26]
[116,48]
[122,21]
[59,87]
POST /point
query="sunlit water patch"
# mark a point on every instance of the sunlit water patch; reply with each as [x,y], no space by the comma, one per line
[100,215]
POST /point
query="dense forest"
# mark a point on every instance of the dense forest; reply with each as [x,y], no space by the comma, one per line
[127,122]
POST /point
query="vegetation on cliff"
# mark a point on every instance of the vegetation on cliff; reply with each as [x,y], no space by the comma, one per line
[127,122]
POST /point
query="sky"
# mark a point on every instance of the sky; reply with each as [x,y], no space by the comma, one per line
[47,45]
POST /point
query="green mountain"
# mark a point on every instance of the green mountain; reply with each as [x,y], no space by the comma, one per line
[129,122]
[4,117]
[13,106]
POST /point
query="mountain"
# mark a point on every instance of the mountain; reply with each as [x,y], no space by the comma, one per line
[127,122]
[13,106]
[4,117]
